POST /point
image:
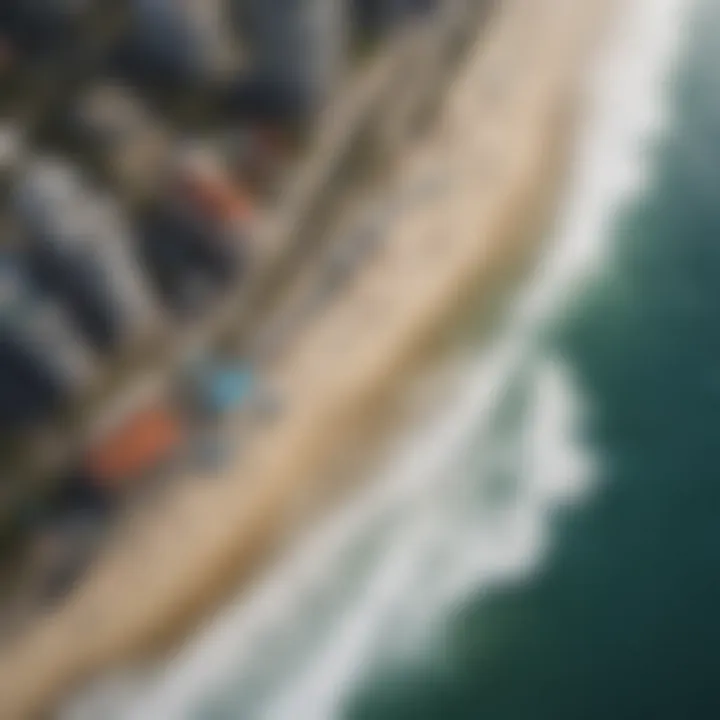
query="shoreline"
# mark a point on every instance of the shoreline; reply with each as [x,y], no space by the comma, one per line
[214,533]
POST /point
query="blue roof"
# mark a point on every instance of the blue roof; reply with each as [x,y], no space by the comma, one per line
[223,388]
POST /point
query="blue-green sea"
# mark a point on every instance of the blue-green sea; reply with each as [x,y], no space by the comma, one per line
[546,542]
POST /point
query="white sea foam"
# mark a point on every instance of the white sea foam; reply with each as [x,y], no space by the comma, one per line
[466,502]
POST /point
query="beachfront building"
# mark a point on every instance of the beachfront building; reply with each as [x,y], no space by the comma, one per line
[81,252]
[298,48]
[183,40]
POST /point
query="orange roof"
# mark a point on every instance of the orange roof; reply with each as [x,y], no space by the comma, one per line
[139,444]
[217,198]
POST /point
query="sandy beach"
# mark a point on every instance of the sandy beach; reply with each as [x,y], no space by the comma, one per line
[497,141]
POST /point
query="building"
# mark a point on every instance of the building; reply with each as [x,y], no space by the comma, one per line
[82,253]
[298,48]
[183,40]
[43,362]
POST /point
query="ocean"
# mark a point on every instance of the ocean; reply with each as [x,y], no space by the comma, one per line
[545,543]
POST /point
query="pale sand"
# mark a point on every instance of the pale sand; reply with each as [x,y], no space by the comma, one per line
[496,142]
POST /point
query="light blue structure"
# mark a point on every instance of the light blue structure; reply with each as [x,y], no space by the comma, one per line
[221,388]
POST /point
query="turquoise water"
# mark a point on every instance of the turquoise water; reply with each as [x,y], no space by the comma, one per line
[546,544]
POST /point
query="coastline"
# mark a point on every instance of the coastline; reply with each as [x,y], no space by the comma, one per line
[184,556]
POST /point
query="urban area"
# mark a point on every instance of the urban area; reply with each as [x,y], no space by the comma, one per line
[167,168]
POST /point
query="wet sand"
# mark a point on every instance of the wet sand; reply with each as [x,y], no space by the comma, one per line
[496,140]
